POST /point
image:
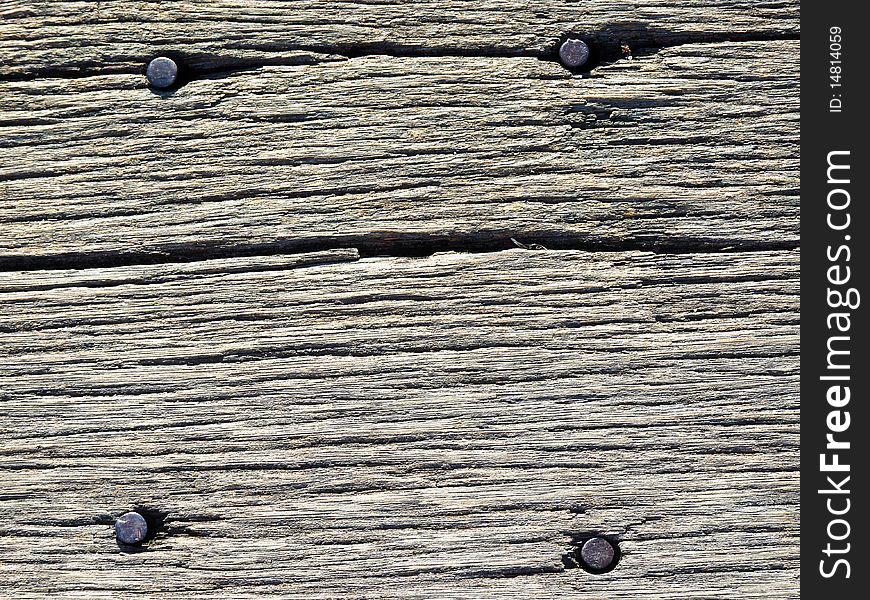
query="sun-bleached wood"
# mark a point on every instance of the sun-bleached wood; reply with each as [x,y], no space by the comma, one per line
[691,147]
[316,426]
[110,36]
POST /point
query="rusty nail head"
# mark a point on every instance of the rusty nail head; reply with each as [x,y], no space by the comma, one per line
[574,53]
[597,554]
[131,528]
[162,72]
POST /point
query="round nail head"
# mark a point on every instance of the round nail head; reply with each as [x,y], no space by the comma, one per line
[162,72]
[574,53]
[131,528]
[597,554]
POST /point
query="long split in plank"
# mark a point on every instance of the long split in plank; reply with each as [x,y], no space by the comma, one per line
[46,38]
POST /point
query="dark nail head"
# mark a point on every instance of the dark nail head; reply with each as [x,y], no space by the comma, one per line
[131,528]
[597,554]
[574,53]
[162,72]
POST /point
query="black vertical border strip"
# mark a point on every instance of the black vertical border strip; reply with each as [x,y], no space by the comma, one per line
[822,132]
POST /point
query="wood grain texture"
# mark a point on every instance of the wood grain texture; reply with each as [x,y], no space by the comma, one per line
[692,147]
[87,37]
[344,424]
[418,428]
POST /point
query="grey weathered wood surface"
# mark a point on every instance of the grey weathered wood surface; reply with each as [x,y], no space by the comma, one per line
[65,38]
[694,146]
[435,427]
[312,424]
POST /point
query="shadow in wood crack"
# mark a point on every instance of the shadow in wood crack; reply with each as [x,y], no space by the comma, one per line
[626,39]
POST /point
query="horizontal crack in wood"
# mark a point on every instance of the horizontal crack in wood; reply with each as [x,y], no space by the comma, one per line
[393,244]
[609,47]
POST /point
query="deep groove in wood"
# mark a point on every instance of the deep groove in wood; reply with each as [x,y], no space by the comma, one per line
[607,46]
[393,245]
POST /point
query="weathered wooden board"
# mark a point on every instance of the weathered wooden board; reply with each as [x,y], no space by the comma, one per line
[315,426]
[309,424]
[87,37]
[692,147]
